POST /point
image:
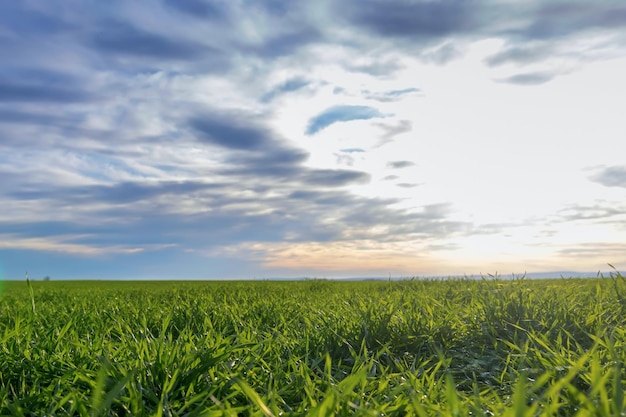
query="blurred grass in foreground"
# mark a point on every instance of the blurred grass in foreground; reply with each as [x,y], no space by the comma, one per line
[320,348]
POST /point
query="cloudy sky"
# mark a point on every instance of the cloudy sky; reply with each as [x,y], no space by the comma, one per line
[266,138]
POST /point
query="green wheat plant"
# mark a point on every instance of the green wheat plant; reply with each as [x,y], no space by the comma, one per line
[459,347]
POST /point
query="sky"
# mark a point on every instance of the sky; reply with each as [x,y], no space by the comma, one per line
[243,139]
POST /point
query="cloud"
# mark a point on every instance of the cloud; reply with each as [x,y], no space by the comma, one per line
[62,245]
[200,9]
[119,193]
[400,164]
[122,38]
[284,43]
[289,86]
[342,113]
[334,177]
[531,78]
[265,154]
[190,215]
[229,132]
[558,19]
[273,161]
[390,96]
[40,86]
[344,158]
[289,169]
[442,54]
[378,67]
[600,211]
[614,176]
[412,19]
[276,30]
[38,93]
[521,54]
[604,252]
[10,116]
[20,19]
[390,131]
[128,127]
[434,29]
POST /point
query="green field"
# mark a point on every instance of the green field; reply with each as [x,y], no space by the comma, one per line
[453,347]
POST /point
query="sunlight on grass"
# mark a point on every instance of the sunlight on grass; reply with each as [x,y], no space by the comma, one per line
[454,348]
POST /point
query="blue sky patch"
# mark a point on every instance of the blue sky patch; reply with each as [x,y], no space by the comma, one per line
[341,114]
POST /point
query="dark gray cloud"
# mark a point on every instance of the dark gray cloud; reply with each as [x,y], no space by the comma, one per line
[129,227]
[28,85]
[289,86]
[285,43]
[341,114]
[149,210]
[39,93]
[255,151]
[526,27]
[412,19]
[10,116]
[21,19]
[230,132]
[287,169]
[321,198]
[273,157]
[614,176]
[407,185]
[531,78]
[400,164]
[274,7]
[202,9]
[31,75]
[562,18]
[260,154]
[123,38]
[139,213]
[334,177]
[431,20]
[120,193]
[255,169]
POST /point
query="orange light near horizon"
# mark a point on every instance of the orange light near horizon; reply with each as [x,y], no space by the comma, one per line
[354,256]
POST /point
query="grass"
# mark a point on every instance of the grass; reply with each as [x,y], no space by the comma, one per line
[321,348]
